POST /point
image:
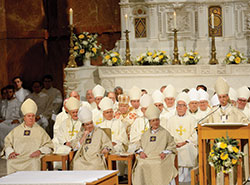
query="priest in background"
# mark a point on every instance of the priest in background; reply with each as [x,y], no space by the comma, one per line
[20,93]
[25,144]
[203,103]
[182,127]
[169,99]
[90,103]
[194,104]
[155,163]
[134,96]
[98,92]
[242,105]
[92,144]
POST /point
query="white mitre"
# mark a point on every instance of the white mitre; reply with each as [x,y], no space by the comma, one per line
[152,112]
[194,95]
[134,93]
[232,94]
[215,100]
[221,86]
[98,91]
[158,97]
[73,103]
[146,100]
[203,95]
[85,115]
[106,104]
[243,92]
[183,97]
[170,92]
[29,107]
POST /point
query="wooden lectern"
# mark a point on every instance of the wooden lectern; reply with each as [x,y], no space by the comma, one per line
[212,132]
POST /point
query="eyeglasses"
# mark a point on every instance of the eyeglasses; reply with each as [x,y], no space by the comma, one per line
[243,101]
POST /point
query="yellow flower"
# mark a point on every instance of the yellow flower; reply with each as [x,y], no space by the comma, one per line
[150,53]
[229,55]
[114,59]
[237,60]
[185,55]
[161,56]
[223,156]
[82,51]
[154,55]
[235,149]
[81,36]
[116,54]
[163,52]
[76,47]
[195,53]
[192,57]
[234,161]
[140,58]
[212,153]
[107,57]
[223,145]
[94,50]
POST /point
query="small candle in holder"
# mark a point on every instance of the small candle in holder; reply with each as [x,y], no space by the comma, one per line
[126,21]
[174,20]
[70,16]
[212,20]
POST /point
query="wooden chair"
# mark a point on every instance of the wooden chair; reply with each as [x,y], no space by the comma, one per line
[195,176]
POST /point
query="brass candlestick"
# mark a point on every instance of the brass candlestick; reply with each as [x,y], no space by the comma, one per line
[71,62]
[127,62]
[176,54]
[213,59]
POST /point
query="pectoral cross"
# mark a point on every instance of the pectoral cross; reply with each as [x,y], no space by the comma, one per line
[99,121]
[181,130]
[71,133]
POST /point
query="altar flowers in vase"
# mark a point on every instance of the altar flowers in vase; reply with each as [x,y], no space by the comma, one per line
[112,58]
[190,58]
[225,154]
[86,46]
[234,57]
[153,58]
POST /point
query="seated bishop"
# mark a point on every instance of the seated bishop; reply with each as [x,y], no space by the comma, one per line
[98,92]
[134,96]
[193,104]
[155,163]
[118,131]
[169,99]
[25,144]
[92,144]
[68,129]
[242,105]
[182,127]
[140,125]
[203,103]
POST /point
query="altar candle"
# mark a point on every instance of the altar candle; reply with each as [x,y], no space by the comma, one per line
[70,16]
[126,21]
[174,20]
[212,20]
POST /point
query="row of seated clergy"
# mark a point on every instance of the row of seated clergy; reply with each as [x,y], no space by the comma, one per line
[25,144]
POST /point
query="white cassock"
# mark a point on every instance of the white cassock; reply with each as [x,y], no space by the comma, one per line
[24,141]
[97,116]
[140,125]
[67,132]
[43,107]
[182,128]
[138,112]
[203,114]
[164,117]
[21,94]
[55,98]
[246,111]
[59,119]
[197,115]
[118,133]
[10,111]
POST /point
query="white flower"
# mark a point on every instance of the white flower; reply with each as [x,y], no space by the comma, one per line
[211,164]
[149,59]
[109,62]
[156,59]
[218,144]
[241,56]
[112,55]
[231,58]
[234,53]
[144,54]
[186,59]
[230,148]
[85,43]
[190,53]
[227,163]
[88,55]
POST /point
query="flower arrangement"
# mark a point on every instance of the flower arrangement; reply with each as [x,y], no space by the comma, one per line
[112,58]
[234,57]
[153,58]
[85,46]
[190,58]
[224,154]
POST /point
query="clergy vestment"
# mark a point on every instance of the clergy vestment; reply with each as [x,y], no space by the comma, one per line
[89,156]
[182,128]
[164,116]
[21,94]
[86,104]
[97,116]
[67,132]
[153,170]
[204,113]
[24,141]
[138,112]
[59,119]
[197,115]
[118,133]
[55,98]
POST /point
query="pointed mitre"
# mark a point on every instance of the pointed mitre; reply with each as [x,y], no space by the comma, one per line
[152,112]
[146,100]
[232,94]
[106,104]
[134,93]
[157,96]
[194,95]
[243,92]
[84,115]
[73,103]
[203,95]
[221,86]
[183,97]
[98,91]
[169,91]
[29,106]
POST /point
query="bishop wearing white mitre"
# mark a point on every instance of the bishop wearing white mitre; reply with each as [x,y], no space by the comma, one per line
[134,96]
[182,127]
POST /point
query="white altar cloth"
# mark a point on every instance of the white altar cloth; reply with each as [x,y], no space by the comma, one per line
[54,177]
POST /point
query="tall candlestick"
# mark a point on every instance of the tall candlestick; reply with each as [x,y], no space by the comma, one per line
[70,16]
[212,20]
[126,21]
[174,20]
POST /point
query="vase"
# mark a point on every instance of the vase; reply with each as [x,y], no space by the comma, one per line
[87,62]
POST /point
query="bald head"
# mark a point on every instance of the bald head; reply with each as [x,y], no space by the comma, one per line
[75,94]
[112,96]
[89,96]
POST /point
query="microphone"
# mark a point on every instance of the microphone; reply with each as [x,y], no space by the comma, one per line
[208,115]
